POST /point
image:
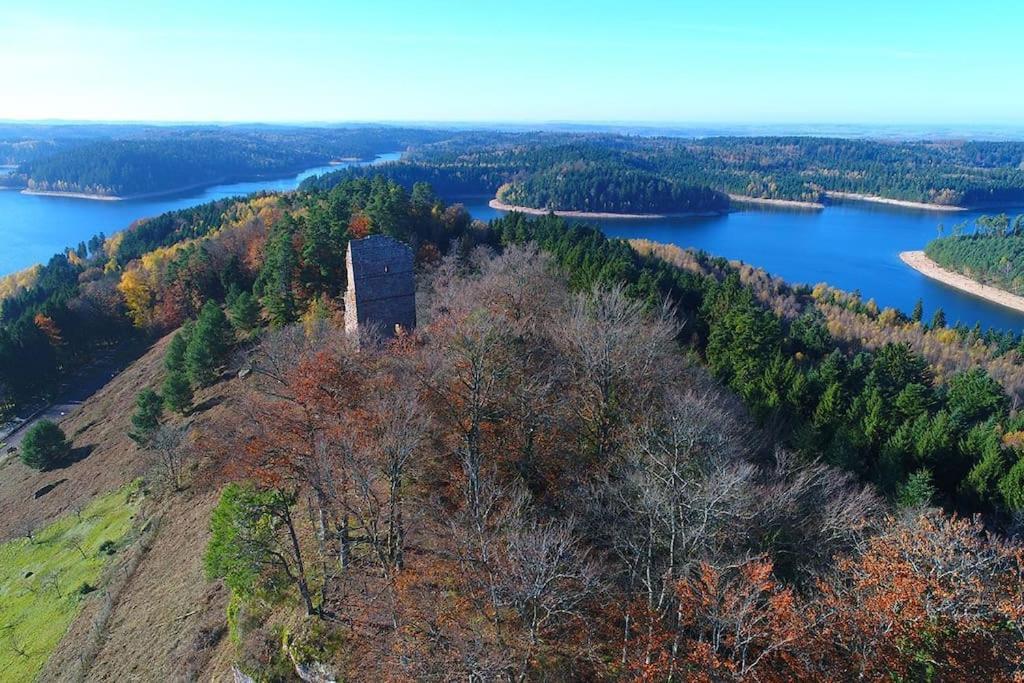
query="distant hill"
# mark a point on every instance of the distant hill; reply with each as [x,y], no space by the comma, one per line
[151,160]
[602,172]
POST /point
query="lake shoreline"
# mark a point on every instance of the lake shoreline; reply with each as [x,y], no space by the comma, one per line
[185,188]
[920,262]
[902,203]
[499,205]
[794,204]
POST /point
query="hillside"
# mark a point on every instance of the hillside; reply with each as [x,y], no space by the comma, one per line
[611,446]
[147,161]
[635,174]
[165,616]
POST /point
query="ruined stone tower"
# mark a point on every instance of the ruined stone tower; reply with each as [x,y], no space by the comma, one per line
[381,288]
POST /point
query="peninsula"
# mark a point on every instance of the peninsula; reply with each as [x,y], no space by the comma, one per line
[924,265]
[499,205]
[906,204]
[777,203]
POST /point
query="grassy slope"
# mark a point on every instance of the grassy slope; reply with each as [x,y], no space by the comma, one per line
[166,618]
[40,579]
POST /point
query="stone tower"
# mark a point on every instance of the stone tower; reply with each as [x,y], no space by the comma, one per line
[381,287]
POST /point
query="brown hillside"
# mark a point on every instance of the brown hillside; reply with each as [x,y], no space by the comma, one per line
[106,458]
[167,620]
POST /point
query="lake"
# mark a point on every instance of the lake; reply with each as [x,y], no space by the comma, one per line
[850,246]
[853,246]
[33,228]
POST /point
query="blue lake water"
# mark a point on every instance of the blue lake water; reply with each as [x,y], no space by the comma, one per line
[33,228]
[850,246]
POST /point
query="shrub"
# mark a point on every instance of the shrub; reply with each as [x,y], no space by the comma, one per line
[44,446]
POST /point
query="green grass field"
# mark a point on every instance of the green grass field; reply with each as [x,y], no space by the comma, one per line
[44,581]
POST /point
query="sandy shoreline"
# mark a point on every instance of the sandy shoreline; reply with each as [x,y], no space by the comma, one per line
[144,195]
[502,206]
[924,265]
[74,195]
[172,191]
[779,203]
[872,199]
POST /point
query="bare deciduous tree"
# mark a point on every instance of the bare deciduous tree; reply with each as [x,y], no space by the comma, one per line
[171,452]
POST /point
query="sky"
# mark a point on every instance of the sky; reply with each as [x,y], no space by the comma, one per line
[725,61]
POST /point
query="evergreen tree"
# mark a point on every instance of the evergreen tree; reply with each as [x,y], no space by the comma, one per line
[1011,486]
[207,346]
[973,396]
[938,319]
[918,312]
[244,311]
[146,419]
[829,407]
[177,392]
[44,446]
[174,357]
[917,491]
[982,483]
[274,284]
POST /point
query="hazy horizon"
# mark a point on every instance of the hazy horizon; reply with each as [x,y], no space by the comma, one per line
[905,131]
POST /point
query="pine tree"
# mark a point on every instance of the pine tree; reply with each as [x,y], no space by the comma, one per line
[44,446]
[174,357]
[938,319]
[917,491]
[208,345]
[918,312]
[829,407]
[146,419]
[177,392]
[245,312]
[274,285]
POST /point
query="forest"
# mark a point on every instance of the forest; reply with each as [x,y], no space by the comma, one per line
[154,160]
[600,172]
[593,460]
[886,395]
[991,250]
[538,485]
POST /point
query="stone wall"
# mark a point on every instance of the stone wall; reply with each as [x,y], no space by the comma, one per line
[381,286]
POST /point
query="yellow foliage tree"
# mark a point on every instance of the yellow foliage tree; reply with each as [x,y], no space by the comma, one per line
[138,296]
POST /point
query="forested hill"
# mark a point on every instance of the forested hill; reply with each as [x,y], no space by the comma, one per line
[989,251]
[659,174]
[590,459]
[164,160]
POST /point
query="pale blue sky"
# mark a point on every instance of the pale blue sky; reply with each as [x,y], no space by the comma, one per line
[519,60]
